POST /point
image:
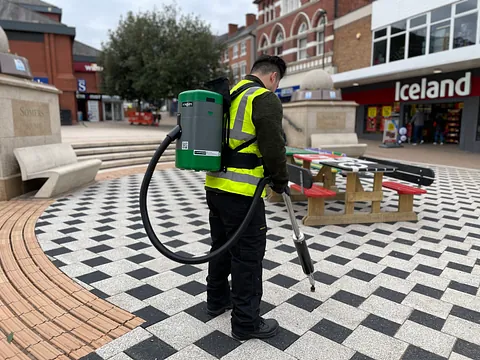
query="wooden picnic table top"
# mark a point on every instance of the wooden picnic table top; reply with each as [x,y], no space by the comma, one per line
[315,157]
[291,151]
[346,164]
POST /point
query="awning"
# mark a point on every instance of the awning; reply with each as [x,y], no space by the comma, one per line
[292,80]
[289,84]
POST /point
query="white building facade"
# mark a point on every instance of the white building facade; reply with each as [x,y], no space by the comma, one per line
[425,56]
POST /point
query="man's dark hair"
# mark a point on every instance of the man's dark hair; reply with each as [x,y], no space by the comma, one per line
[266,64]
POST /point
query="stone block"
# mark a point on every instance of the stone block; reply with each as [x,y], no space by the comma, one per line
[29,116]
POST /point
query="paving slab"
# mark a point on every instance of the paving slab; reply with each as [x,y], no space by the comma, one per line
[384,291]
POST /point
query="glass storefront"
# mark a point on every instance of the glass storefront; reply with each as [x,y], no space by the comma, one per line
[375,116]
[450,112]
[112,108]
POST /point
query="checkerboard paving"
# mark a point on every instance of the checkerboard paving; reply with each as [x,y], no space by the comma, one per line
[384,291]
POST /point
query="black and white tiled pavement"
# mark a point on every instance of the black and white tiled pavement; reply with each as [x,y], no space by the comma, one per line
[384,291]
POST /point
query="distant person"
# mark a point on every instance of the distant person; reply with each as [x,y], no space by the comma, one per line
[418,121]
[440,127]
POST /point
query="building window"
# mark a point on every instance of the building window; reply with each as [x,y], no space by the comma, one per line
[244,48]
[321,36]
[397,41]
[321,42]
[380,47]
[235,51]
[243,70]
[302,42]
[465,31]
[466,6]
[290,5]
[445,28]
[417,36]
[225,55]
[440,37]
[235,73]
[279,44]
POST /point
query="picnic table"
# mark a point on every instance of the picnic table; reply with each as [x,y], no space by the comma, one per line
[352,169]
[291,153]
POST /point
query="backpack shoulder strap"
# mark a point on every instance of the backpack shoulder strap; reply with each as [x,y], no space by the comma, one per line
[241,89]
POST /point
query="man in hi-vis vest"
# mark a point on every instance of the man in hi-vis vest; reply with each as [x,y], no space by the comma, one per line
[256,135]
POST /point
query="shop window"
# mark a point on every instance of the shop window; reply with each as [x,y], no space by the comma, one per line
[417,42]
[399,27]
[442,13]
[397,41]
[397,47]
[465,31]
[418,21]
[375,116]
[440,37]
[380,34]
[466,6]
[445,28]
[380,52]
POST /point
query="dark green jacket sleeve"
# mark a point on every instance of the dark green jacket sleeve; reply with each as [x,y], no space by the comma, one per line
[267,117]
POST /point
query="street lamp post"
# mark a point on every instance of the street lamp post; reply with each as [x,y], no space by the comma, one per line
[323,15]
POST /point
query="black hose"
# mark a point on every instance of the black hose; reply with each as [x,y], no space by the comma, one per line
[172,136]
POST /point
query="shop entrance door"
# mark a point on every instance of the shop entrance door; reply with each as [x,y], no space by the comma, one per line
[440,119]
[82,110]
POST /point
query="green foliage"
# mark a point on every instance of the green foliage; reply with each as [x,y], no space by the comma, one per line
[158,54]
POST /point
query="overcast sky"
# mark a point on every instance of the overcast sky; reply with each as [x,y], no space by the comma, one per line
[93,18]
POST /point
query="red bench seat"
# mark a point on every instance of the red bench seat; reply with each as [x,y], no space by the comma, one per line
[403,189]
[315,191]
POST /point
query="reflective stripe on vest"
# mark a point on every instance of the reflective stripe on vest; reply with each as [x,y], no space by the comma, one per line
[242,129]
[236,133]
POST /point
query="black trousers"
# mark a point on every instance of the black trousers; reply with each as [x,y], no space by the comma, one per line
[243,261]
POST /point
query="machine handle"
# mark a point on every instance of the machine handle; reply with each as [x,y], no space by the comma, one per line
[293,219]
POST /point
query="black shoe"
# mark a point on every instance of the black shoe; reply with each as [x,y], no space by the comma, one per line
[267,329]
[220,311]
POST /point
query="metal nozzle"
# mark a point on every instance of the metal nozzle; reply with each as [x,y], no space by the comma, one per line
[312,282]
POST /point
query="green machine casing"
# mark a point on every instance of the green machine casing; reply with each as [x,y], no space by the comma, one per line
[201,119]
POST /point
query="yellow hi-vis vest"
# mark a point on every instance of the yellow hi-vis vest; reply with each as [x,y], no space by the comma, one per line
[234,180]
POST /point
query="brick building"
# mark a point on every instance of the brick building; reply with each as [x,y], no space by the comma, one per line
[35,31]
[240,44]
[303,33]
[353,39]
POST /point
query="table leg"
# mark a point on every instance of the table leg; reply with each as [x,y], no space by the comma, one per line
[377,187]
[351,187]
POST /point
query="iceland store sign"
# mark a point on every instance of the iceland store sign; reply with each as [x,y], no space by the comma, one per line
[434,89]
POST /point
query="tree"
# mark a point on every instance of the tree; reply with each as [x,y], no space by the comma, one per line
[158,54]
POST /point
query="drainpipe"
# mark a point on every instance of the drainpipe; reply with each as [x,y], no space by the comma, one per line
[254,44]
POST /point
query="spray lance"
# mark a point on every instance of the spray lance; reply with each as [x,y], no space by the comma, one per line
[201,137]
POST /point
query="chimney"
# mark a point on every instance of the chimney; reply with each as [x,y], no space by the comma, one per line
[250,19]
[232,29]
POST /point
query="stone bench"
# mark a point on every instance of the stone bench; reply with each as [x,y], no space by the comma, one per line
[58,163]
[346,143]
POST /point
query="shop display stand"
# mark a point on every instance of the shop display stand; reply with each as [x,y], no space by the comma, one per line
[453,126]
